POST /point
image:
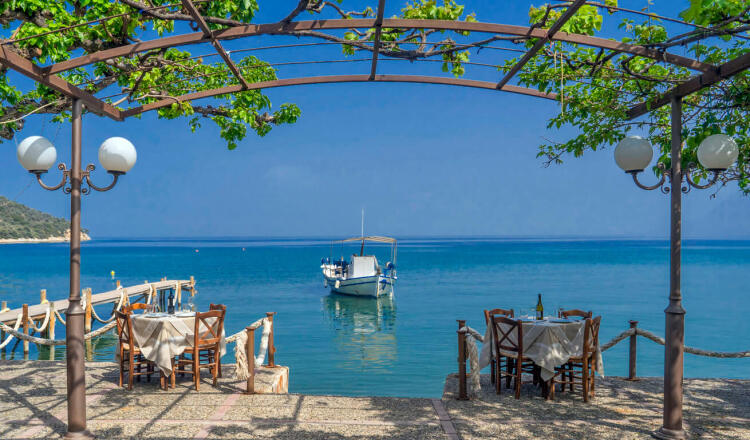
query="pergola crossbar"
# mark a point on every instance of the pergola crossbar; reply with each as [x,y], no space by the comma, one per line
[337,79]
[314,25]
[376,42]
[567,15]
[201,22]
[699,82]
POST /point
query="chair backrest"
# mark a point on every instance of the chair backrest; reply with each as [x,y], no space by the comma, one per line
[488,314]
[137,306]
[591,335]
[576,312]
[503,331]
[221,307]
[208,327]
[124,327]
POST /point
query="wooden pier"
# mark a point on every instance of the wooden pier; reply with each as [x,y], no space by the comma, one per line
[42,317]
[38,311]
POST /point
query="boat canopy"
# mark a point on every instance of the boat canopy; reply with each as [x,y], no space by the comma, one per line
[373,238]
[364,266]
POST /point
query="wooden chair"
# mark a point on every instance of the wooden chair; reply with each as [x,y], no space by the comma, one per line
[223,308]
[207,338]
[488,318]
[512,350]
[575,312]
[580,370]
[130,354]
[136,306]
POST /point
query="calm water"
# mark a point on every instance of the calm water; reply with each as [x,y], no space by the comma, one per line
[406,346]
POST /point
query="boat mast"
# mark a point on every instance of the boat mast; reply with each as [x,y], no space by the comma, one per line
[362,249]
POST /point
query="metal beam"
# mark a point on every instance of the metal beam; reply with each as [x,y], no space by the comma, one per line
[195,13]
[302,26]
[12,60]
[338,79]
[555,28]
[376,42]
[724,71]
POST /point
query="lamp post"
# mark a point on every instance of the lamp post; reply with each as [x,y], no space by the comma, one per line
[633,154]
[37,155]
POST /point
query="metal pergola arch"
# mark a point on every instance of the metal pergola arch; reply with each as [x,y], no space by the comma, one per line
[707,75]
[48,74]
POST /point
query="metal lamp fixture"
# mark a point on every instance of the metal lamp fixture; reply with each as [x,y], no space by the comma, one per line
[716,154]
[37,154]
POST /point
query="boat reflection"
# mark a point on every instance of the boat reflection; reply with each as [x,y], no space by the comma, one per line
[364,329]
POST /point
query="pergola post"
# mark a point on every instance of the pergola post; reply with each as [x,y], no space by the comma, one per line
[75,314]
[675,314]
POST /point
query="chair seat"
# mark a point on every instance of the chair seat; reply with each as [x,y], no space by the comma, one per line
[511,354]
[126,347]
[200,348]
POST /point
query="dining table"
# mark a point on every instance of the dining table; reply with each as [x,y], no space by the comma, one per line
[162,337]
[549,342]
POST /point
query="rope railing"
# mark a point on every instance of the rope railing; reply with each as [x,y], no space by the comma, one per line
[117,308]
[467,350]
[244,349]
[473,353]
[43,341]
[15,328]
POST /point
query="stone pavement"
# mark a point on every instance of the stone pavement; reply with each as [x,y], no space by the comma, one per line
[32,405]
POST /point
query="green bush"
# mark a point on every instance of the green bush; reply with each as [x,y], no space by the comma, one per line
[18,222]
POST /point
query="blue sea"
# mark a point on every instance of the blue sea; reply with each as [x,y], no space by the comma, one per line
[405,346]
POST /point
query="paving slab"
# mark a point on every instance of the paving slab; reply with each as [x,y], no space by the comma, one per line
[33,405]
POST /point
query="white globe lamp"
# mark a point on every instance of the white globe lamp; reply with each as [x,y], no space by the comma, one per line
[633,154]
[717,152]
[117,155]
[36,154]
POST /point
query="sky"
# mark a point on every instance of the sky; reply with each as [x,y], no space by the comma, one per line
[421,160]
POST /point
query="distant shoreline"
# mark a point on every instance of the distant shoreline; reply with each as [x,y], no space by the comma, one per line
[63,239]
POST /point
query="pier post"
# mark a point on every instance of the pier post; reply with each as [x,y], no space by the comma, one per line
[25,321]
[42,296]
[271,347]
[51,329]
[179,294]
[87,317]
[250,355]
[3,307]
[462,361]
[87,324]
[633,352]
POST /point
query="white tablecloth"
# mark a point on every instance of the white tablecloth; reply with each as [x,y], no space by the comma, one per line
[164,338]
[548,344]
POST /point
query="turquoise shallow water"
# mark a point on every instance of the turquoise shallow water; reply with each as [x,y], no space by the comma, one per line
[405,346]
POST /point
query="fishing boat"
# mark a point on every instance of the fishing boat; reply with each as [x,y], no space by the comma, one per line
[361,275]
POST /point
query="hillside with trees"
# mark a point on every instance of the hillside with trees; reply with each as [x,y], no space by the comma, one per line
[19,222]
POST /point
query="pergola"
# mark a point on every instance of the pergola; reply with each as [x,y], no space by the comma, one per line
[705,75]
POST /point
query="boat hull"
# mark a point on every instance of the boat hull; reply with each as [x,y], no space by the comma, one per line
[373,286]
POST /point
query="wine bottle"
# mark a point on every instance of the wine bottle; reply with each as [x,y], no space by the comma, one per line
[539,308]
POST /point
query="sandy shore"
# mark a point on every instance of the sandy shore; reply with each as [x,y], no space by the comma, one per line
[63,239]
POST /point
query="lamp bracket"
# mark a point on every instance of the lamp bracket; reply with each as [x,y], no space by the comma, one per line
[85,177]
[65,175]
[692,183]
